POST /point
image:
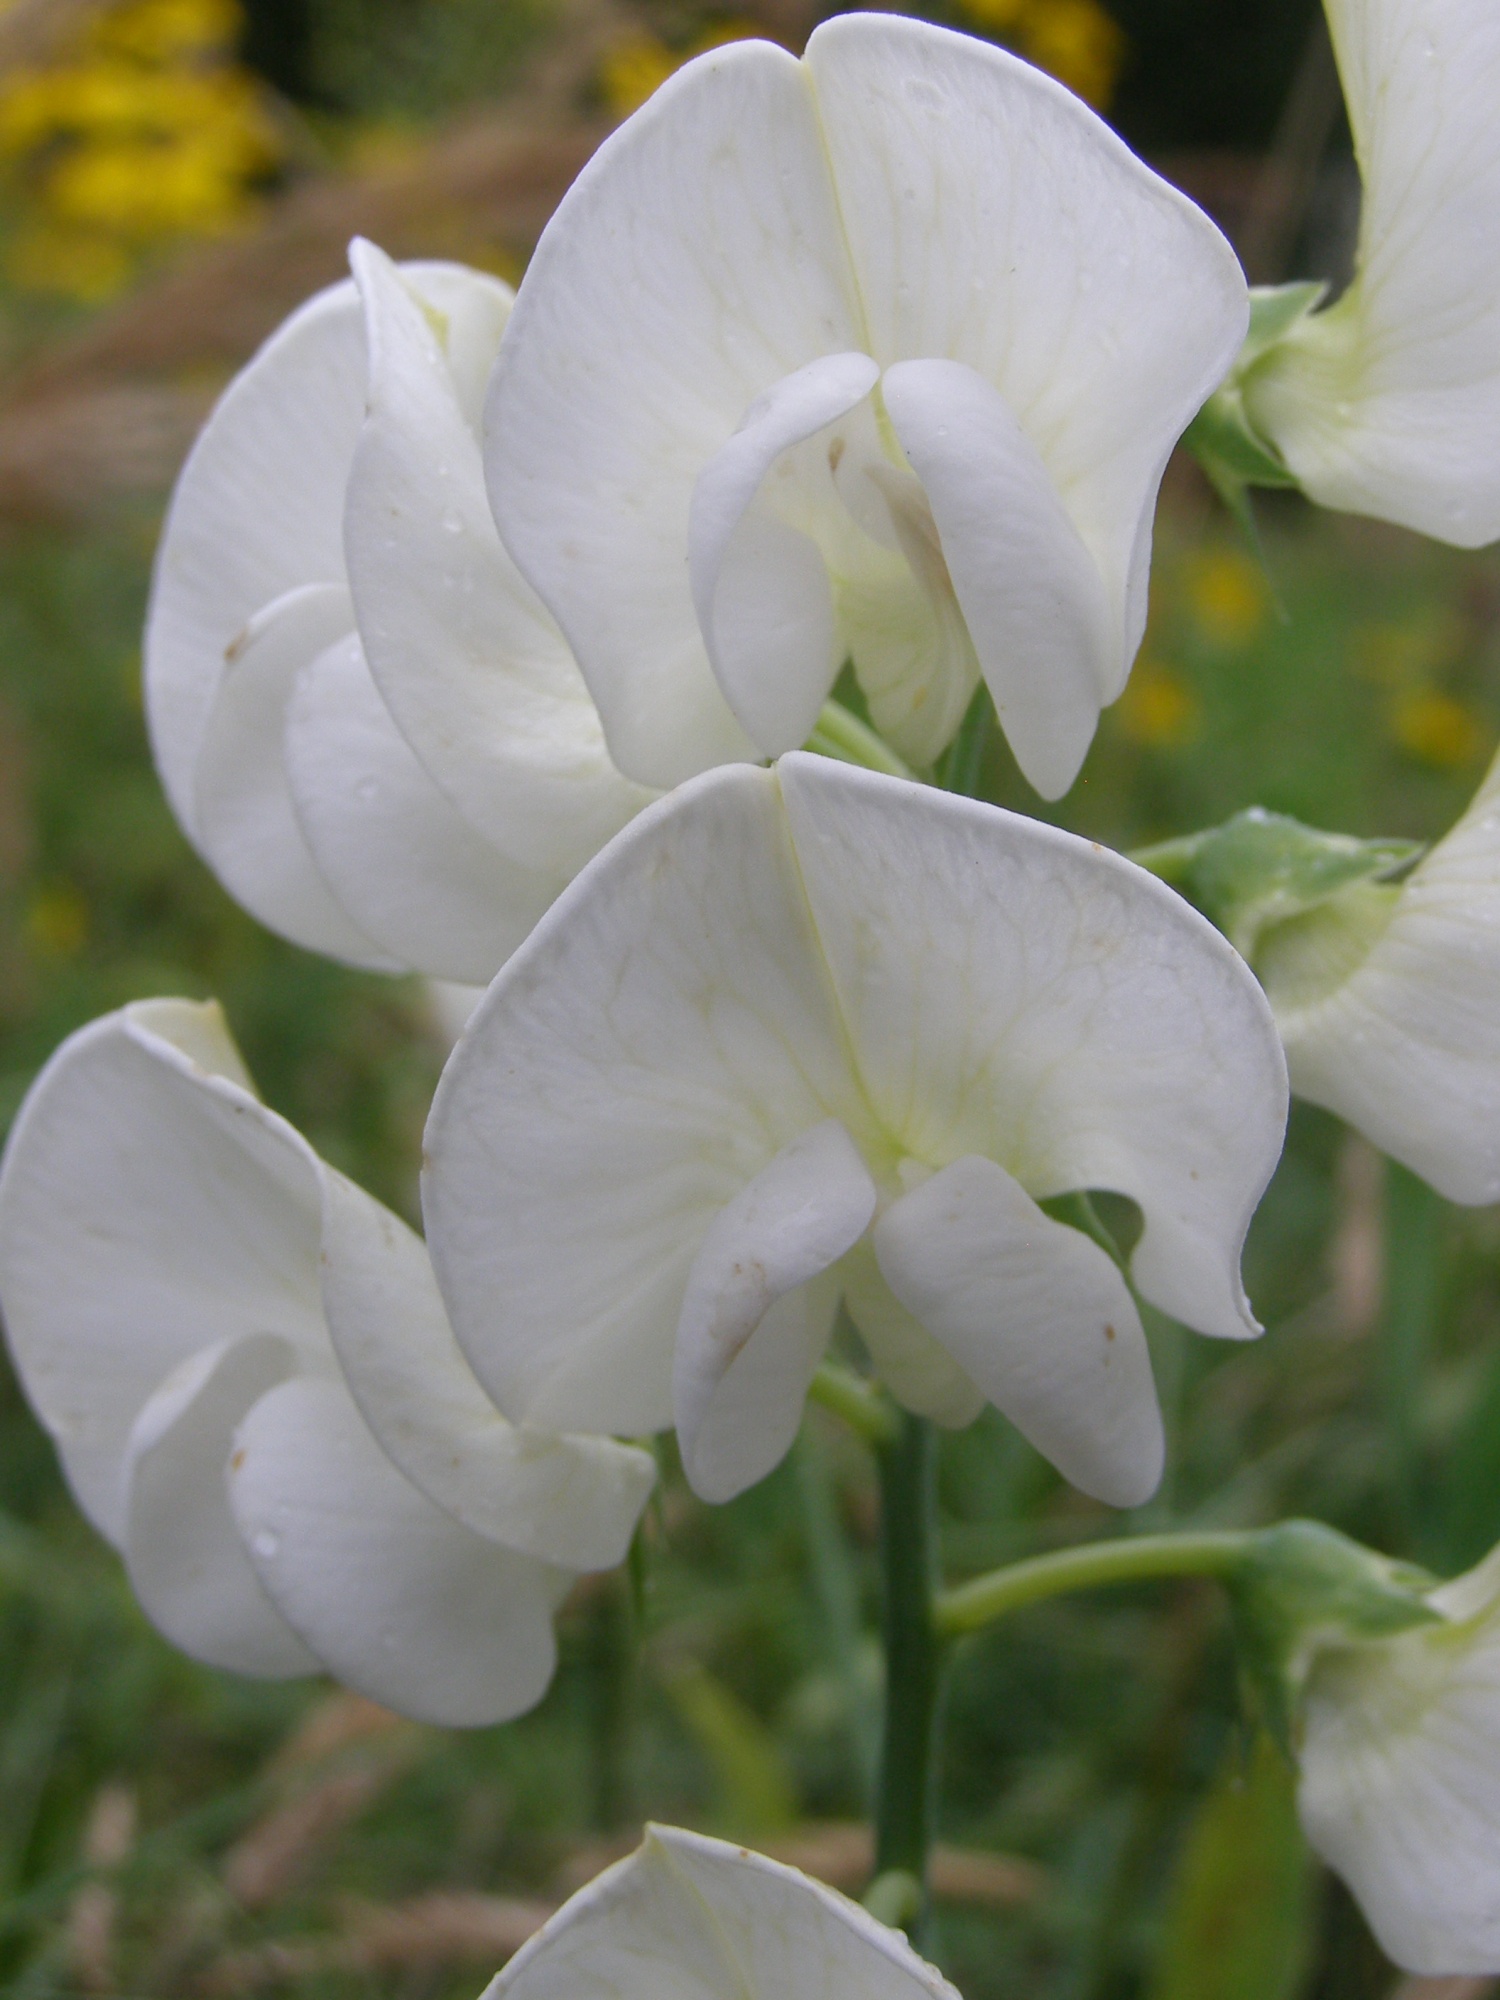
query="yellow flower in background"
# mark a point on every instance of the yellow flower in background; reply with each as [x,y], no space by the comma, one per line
[146,131]
[1437,729]
[1226,596]
[1074,40]
[632,69]
[57,922]
[168,31]
[72,263]
[636,65]
[1157,710]
[1410,657]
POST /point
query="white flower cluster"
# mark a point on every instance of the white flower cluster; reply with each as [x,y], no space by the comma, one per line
[485,637]
[256,1397]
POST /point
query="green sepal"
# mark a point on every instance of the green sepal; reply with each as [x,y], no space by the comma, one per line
[1232,452]
[1229,449]
[1300,1586]
[1261,868]
[1274,311]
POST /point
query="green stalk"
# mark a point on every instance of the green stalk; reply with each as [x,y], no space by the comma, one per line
[858,1403]
[1413,1223]
[840,734]
[972,1606]
[610,1657]
[913,1659]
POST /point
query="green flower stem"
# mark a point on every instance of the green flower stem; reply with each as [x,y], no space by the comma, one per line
[858,1403]
[913,1659]
[841,734]
[972,1606]
[1413,1268]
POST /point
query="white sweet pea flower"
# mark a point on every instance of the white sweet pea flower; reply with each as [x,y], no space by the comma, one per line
[878,354]
[1388,403]
[812,1030]
[191,1296]
[687,1915]
[1388,1000]
[1400,1778]
[363,718]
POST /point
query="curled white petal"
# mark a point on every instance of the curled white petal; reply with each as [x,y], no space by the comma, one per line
[787,1226]
[1029,590]
[411,873]
[689,1916]
[1386,403]
[1399,1788]
[918,1370]
[1038,1316]
[146,1215]
[566,1500]
[760,587]
[389,1592]
[246,820]
[478,678]
[257,513]
[1385,999]
[186,1562]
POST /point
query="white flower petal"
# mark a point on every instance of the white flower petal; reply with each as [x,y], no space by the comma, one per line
[711,213]
[186,1562]
[1400,1785]
[942,978]
[995,221]
[396,1599]
[1387,403]
[1030,592]
[760,587]
[1014,991]
[246,822]
[1386,1001]
[775,647]
[785,1227]
[572,1501]
[411,873]
[257,512]
[1038,1316]
[149,1208]
[756,1412]
[476,675]
[688,1918]
[658,1039]
[922,1375]
[912,653]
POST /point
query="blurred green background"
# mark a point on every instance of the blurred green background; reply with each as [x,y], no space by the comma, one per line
[174,174]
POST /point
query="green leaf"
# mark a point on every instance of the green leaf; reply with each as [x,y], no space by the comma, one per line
[1260,868]
[1239,1922]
